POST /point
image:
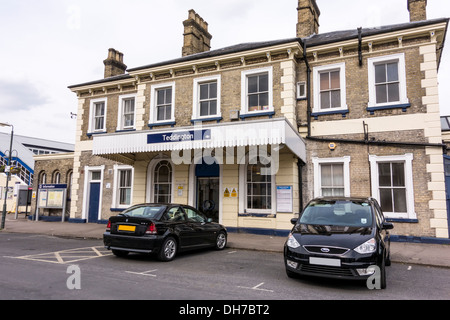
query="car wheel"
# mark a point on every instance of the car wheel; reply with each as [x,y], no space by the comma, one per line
[221,241]
[168,249]
[120,253]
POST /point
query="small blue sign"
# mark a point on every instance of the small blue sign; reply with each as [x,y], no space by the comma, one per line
[179,136]
[53,186]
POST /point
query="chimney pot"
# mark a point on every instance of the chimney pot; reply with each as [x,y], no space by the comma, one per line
[308,18]
[196,36]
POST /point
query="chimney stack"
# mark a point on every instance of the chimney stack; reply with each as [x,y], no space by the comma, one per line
[417,10]
[196,36]
[308,18]
[114,65]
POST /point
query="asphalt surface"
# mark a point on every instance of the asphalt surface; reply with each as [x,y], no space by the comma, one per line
[436,255]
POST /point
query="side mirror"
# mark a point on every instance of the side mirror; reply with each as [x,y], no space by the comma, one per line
[294,220]
[209,220]
[388,225]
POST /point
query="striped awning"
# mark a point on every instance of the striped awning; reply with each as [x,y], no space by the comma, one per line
[232,134]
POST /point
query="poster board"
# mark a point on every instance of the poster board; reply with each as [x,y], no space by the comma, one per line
[52,196]
[284,199]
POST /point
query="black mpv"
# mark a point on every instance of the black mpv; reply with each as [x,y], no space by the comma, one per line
[339,237]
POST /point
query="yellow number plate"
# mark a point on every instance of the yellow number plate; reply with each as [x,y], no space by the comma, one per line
[127,228]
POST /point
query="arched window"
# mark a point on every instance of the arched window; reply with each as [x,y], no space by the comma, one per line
[162,182]
[56,177]
[43,178]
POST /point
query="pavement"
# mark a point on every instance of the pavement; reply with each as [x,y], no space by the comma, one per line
[436,255]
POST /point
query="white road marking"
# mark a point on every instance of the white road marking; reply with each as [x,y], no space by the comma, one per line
[145,273]
[257,287]
[67,256]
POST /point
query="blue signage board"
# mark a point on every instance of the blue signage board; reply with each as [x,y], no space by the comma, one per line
[53,186]
[179,136]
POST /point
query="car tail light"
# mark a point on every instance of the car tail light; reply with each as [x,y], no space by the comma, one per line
[108,226]
[151,229]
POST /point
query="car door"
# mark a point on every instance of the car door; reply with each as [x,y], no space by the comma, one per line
[204,230]
[176,220]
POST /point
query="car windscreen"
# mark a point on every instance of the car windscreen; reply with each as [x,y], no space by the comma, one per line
[146,211]
[338,213]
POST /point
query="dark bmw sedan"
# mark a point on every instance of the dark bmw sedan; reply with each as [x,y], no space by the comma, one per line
[339,238]
[162,229]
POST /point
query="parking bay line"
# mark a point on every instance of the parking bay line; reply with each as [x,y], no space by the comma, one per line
[145,273]
[257,287]
[66,256]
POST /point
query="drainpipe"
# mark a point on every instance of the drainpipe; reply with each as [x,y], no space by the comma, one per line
[308,90]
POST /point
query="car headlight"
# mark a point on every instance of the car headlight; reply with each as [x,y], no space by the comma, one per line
[292,242]
[367,247]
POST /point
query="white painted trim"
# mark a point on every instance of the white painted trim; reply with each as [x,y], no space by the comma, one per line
[407,160]
[120,111]
[244,89]
[149,195]
[317,173]
[115,201]
[196,95]
[316,86]
[91,115]
[86,192]
[153,98]
[371,62]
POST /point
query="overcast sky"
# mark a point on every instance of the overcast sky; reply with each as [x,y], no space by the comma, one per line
[47,45]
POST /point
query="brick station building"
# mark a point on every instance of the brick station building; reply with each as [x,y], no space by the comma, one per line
[251,132]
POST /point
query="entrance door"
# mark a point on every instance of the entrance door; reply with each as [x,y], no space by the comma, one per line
[208,183]
[94,201]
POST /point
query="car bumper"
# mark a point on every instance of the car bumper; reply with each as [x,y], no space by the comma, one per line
[351,266]
[144,244]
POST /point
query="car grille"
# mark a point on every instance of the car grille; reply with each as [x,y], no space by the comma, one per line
[329,250]
[326,270]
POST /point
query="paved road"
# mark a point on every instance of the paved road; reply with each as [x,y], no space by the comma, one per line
[36,267]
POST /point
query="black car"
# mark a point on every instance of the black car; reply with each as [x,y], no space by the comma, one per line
[162,229]
[339,238]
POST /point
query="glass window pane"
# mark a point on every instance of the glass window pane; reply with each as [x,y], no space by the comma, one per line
[253,102]
[398,174]
[264,101]
[393,92]
[392,71]
[252,84]
[161,94]
[168,95]
[204,108]
[204,91]
[213,107]
[99,123]
[263,83]
[335,80]
[325,100]
[384,174]
[400,200]
[336,99]
[326,177]
[444,123]
[160,113]
[380,73]
[325,81]
[338,175]
[381,93]
[386,200]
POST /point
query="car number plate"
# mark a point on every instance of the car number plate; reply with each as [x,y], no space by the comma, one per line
[126,228]
[325,261]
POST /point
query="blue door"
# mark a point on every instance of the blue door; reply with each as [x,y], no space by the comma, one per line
[94,201]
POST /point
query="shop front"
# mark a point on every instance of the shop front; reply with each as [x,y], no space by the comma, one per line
[242,174]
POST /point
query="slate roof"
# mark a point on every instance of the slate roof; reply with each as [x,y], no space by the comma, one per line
[312,41]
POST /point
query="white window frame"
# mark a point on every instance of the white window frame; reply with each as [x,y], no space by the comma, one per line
[92,115]
[116,192]
[316,86]
[120,115]
[153,100]
[244,90]
[409,183]
[150,194]
[243,190]
[299,84]
[196,97]
[371,62]
[317,162]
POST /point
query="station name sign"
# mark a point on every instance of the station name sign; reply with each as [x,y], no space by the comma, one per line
[179,136]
